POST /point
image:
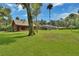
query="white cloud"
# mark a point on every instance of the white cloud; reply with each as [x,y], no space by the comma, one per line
[10,5]
[63,15]
[57,4]
[75,10]
[58,16]
[25,15]
[20,8]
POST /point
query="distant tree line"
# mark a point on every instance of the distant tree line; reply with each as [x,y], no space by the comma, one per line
[71,21]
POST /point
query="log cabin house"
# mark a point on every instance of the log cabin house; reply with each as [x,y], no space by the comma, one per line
[19,25]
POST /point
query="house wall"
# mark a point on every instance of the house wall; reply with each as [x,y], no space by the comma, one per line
[13,26]
[20,27]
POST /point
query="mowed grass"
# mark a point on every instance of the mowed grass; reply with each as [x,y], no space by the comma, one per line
[45,43]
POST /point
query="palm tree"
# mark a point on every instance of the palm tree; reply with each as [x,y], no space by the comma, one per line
[49,7]
[35,14]
[36,11]
[28,6]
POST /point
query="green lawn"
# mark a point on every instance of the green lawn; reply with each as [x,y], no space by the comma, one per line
[46,42]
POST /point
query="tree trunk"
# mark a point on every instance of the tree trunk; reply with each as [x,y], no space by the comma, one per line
[36,25]
[49,14]
[30,21]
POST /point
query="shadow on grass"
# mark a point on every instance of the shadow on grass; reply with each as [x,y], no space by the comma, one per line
[6,41]
[19,36]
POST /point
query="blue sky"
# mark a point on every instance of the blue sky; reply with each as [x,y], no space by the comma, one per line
[59,10]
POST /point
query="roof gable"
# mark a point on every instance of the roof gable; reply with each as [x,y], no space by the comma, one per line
[22,23]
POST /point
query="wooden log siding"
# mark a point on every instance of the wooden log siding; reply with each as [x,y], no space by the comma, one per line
[19,25]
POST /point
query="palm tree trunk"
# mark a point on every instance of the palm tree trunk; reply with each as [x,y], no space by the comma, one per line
[49,14]
[30,21]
